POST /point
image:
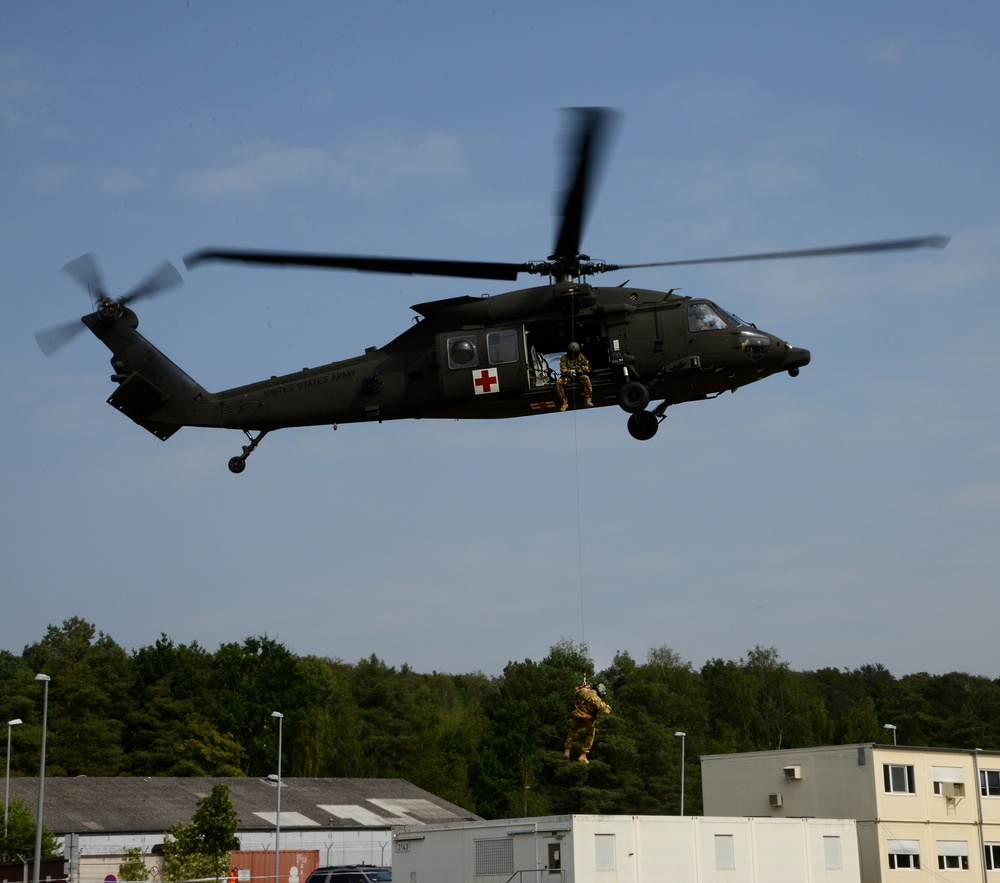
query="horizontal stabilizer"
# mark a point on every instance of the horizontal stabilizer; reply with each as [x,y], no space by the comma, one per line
[137,399]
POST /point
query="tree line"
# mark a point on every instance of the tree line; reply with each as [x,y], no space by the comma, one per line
[491,744]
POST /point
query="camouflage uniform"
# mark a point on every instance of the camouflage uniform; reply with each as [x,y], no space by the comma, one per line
[579,364]
[589,704]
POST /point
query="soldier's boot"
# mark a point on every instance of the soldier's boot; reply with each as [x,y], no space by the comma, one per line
[583,758]
[588,402]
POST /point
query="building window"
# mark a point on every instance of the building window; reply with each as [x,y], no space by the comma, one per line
[494,857]
[904,855]
[949,781]
[725,856]
[899,778]
[832,859]
[953,855]
[604,852]
[989,783]
[993,856]
[501,346]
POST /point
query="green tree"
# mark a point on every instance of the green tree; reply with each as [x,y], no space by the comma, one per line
[133,865]
[19,844]
[651,702]
[252,680]
[88,698]
[169,728]
[760,704]
[201,848]
[326,740]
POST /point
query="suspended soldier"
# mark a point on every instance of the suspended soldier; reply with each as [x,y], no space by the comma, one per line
[574,366]
[589,703]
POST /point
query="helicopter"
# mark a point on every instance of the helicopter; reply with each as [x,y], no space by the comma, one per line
[467,357]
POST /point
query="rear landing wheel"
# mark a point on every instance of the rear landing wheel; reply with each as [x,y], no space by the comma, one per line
[237,465]
[642,425]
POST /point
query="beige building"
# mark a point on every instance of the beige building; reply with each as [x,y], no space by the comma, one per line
[931,813]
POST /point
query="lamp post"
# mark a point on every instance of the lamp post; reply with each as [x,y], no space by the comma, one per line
[682,735]
[41,781]
[893,728]
[6,789]
[277,819]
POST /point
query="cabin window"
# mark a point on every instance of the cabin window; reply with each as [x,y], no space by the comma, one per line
[899,778]
[832,857]
[462,352]
[953,855]
[702,317]
[725,854]
[904,854]
[555,858]
[992,856]
[501,346]
[604,852]
[949,781]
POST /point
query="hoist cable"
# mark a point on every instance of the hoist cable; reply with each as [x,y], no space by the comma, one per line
[579,531]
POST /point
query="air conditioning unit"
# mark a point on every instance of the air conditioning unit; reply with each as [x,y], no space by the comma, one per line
[774,799]
[792,773]
[952,789]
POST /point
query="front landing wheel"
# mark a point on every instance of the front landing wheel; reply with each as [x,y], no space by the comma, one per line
[633,396]
[237,465]
[642,425]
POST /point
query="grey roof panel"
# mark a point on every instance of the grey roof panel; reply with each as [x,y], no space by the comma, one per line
[119,805]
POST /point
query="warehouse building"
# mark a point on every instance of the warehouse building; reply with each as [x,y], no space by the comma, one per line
[323,821]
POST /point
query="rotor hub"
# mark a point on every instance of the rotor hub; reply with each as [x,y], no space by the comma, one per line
[109,309]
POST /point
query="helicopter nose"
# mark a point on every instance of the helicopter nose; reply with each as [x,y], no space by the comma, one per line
[796,358]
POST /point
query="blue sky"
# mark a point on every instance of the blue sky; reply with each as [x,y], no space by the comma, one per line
[847,516]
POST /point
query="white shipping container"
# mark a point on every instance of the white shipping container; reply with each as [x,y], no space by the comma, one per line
[628,849]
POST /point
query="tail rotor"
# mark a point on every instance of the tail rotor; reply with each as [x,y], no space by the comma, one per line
[85,271]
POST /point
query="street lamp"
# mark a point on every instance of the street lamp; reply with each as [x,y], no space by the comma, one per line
[893,728]
[6,789]
[682,735]
[277,820]
[41,781]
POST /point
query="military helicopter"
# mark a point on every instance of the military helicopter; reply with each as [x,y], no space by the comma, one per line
[469,357]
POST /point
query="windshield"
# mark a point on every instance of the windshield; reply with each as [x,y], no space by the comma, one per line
[703,317]
[736,320]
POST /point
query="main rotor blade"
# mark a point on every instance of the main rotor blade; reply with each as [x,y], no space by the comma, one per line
[84,270]
[362,263]
[52,340]
[162,279]
[585,144]
[884,245]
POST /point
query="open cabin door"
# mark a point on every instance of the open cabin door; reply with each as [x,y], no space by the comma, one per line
[483,362]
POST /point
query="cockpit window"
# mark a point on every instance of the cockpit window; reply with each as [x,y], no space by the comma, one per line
[736,320]
[703,317]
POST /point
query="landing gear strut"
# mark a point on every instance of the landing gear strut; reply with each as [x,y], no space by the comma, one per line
[642,425]
[238,464]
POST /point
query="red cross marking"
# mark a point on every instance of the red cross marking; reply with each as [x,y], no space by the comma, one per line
[485,380]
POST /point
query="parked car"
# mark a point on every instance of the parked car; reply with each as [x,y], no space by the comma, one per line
[350,874]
